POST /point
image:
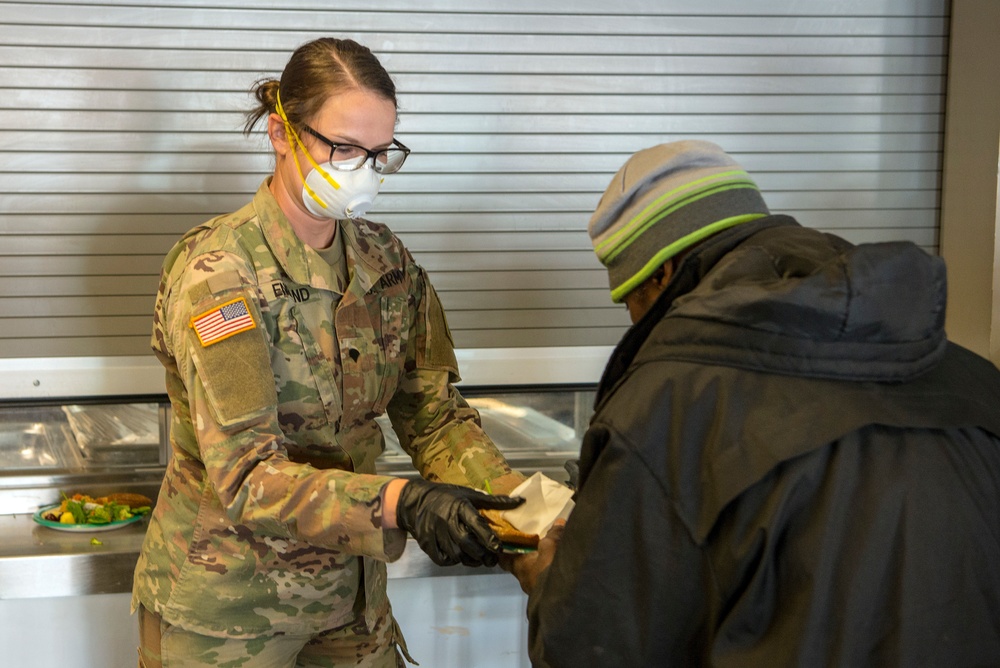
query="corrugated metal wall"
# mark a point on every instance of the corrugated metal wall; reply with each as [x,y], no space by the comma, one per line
[120,128]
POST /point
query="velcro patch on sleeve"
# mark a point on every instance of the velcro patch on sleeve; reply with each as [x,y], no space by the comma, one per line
[237,378]
[227,280]
[222,321]
[440,352]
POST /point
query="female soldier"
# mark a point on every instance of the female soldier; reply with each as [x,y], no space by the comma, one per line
[286,328]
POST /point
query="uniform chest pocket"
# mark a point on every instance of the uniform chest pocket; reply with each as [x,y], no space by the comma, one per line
[395,326]
[373,357]
[302,364]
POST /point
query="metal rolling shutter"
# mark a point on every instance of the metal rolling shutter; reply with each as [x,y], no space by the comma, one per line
[120,129]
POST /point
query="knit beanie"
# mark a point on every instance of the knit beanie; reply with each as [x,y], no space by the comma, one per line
[665,199]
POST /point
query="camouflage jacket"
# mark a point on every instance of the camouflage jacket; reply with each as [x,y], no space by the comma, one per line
[275,381]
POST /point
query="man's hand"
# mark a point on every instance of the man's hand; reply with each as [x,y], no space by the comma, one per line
[527,567]
[446,522]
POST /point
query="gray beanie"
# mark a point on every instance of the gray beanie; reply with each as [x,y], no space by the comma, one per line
[663,200]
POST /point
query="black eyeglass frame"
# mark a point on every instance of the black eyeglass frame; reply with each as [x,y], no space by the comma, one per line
[369,154]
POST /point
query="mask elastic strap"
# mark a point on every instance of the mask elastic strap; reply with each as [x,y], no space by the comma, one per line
[296,141]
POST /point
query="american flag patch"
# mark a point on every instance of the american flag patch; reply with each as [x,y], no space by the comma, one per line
[223,321]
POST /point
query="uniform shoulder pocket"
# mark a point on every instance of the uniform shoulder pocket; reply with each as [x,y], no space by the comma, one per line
[232,357]
[438,349]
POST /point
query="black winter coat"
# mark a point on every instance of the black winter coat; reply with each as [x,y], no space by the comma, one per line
[789,465]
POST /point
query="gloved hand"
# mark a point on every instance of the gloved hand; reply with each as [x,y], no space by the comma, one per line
[446,523]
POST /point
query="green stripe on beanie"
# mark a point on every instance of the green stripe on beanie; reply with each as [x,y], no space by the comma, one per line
[663,200]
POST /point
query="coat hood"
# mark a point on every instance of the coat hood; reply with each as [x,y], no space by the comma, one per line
[781,298]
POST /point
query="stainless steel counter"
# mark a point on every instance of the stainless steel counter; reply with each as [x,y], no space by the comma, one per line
[99,449]
[39,562]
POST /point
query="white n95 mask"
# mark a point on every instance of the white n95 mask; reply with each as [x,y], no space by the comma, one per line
[333,194]
[338,194]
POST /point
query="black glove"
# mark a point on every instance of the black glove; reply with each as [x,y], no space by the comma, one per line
[446,523]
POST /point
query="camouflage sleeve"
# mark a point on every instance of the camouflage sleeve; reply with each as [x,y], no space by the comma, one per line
[443,434]
[435,425]
[226,371]
[258,486]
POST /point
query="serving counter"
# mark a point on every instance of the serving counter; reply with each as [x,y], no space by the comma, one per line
[96,448]
[48,450]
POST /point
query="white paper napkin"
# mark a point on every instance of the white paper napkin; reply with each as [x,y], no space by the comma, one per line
[545,501]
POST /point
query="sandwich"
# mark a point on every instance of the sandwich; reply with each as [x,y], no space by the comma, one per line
[506,531]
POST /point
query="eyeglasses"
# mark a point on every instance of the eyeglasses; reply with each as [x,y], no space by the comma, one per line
[348,157]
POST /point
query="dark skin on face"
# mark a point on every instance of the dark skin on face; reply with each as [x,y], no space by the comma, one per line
[641,299]
[528,567]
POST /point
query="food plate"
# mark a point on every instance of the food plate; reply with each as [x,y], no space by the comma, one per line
[80,528]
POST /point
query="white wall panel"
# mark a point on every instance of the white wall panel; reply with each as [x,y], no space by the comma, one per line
[120,128]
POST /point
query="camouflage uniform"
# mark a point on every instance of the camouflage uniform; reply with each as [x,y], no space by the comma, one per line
[269,516]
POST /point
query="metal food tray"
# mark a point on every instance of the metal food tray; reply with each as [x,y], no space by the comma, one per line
[518,429]
[520,433]
[116,434]
[34,439]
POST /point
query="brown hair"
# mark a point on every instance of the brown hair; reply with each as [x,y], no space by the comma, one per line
[316,71]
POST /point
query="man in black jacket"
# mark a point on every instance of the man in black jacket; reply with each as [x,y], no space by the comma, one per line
[789,463]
